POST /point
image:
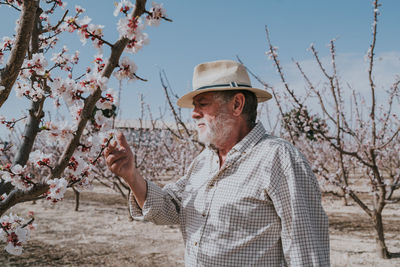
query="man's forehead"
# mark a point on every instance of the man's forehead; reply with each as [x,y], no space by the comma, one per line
[203,96]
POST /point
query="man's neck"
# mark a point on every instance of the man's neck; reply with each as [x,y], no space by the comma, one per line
[230,142]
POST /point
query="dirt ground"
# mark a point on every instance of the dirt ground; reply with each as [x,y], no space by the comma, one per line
[101,234]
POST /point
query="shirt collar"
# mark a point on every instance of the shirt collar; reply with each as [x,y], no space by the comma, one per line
[250,140]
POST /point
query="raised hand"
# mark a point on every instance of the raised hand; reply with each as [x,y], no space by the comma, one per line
[120,159]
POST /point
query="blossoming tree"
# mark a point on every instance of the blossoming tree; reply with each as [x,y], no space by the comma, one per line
[36,171]
[356,156]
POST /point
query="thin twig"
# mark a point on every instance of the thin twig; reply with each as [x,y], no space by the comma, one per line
[10,5]
[28,223]
[164,18]
[55,27]
[92,35]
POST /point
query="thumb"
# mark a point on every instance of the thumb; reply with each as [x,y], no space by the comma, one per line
[122,140]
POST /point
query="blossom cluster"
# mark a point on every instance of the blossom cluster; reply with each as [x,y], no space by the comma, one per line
[156,13]
[58,186]
[132,27]
[64,61]
[14,233]
[18,176]
[6,45]
[31,78]
[299,122]
[11,2]
[127,69]
[124,7]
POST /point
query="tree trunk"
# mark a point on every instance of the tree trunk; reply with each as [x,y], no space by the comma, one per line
[129,210]
[345,198]
[5,187]
[381,248]
[9,74]
[76,199]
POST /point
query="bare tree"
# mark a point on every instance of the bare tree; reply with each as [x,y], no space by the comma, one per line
[354,154]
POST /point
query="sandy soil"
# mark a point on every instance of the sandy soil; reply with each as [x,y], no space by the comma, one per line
[102,234]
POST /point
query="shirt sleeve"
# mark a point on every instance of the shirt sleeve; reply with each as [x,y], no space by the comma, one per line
[162,205]
[297,200]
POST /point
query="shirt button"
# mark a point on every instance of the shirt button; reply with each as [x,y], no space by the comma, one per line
[203,214]
[195,243]
[211,185]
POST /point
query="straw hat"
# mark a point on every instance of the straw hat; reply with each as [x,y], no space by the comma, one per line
[220,75]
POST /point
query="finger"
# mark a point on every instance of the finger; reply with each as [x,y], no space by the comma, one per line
[114,144]
[122,140]
[118,164]
[109,149]
[106,152]
[114,158]
[111,144]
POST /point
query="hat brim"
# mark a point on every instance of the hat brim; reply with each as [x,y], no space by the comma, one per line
[186,101]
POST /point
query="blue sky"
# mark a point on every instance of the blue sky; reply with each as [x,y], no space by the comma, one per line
[209,30]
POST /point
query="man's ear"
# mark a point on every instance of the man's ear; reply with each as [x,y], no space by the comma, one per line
[238,104]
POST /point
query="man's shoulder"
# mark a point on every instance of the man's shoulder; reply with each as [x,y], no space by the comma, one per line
[272,144]
[205,154]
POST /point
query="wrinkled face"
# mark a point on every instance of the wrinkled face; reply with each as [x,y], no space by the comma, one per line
[213,119]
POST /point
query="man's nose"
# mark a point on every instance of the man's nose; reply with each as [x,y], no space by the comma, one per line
[196,114]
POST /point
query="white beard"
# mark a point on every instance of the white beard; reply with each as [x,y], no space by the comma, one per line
[217,131]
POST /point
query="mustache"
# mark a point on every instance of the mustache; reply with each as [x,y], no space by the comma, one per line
[200,121]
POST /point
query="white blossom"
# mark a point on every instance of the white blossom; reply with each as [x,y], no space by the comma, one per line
[124,6]
[127,69]
[57,189]
[15,235]
[157,12]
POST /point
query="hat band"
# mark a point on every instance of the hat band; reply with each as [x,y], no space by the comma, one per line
[232,84]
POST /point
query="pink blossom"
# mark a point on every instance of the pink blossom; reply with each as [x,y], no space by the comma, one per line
[127,69]
[1,57]
[40,158]
[157,12]
[75,58]
[18,2]
[13,233]
[8,42]
[92,82]
[57,189]
[108,100]
[79,9]
[137,43]
[124,7]
[129,27]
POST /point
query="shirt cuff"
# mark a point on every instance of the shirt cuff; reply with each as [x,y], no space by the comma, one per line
[154,199]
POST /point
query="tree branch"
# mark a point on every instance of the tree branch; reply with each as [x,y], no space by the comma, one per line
[90,102]
[10,5]
[10,73]
[55,27]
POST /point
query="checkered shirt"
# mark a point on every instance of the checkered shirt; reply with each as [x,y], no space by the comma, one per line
[261,208]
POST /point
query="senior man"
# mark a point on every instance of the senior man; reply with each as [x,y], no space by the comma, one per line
[249,198]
